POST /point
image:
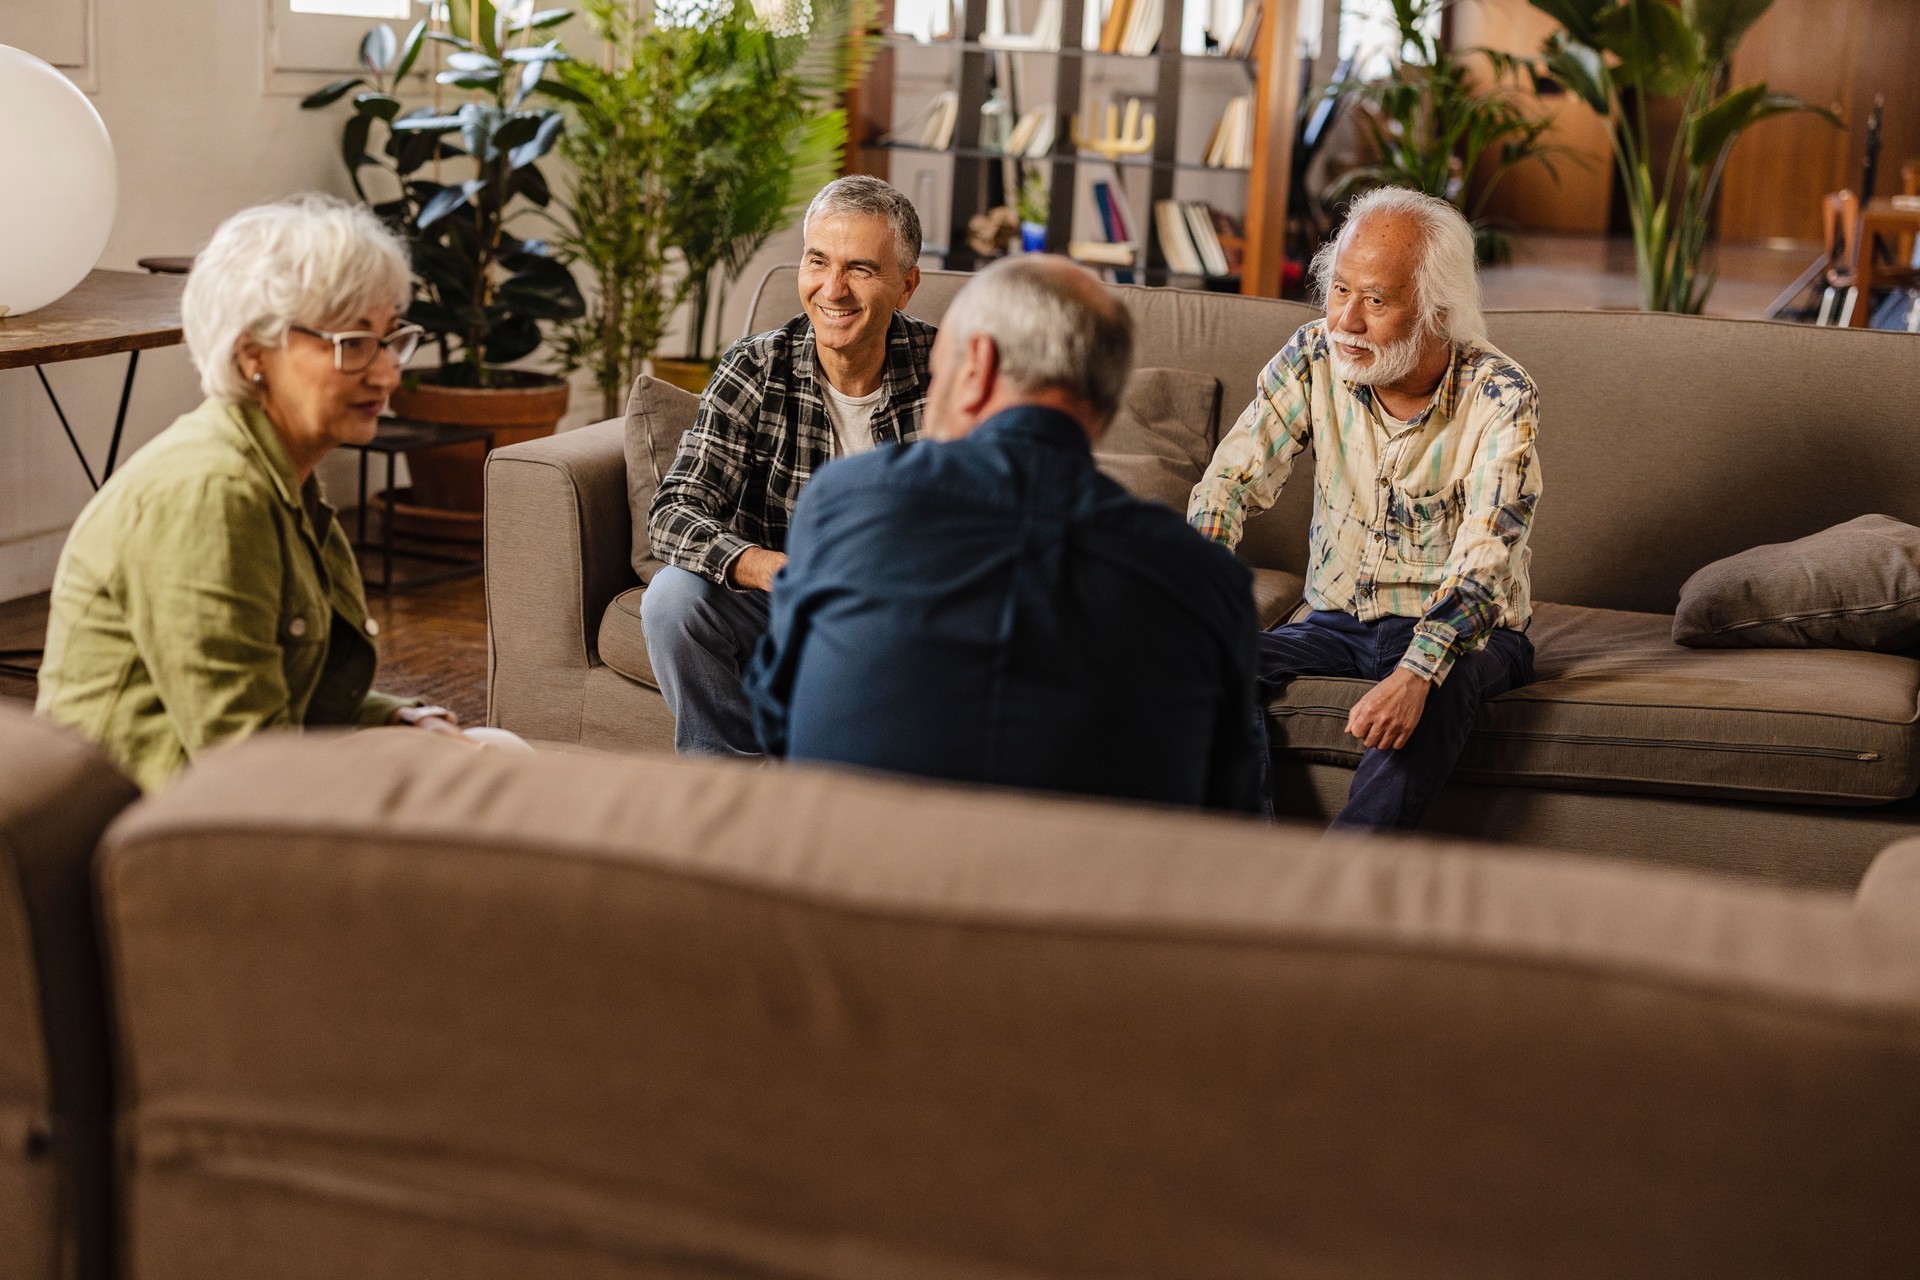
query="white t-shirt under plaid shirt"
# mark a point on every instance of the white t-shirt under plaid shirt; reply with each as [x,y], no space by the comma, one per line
[1427,519]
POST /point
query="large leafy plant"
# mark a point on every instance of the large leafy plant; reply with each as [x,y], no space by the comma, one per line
[484,291]
[706,129]
[1611,52]
[1439,112]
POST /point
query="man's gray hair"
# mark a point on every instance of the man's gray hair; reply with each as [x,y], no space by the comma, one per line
[313,260]
[1446,283]
[859,194]
[1050,329]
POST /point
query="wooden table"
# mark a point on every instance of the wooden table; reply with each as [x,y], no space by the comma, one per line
[1898,227]
[108,313]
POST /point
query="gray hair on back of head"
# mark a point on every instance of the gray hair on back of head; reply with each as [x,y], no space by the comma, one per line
[1446,283]
[312,259]
[860,194]
[1048,330]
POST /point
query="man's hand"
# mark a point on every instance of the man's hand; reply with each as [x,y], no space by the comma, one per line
[755,567]
[1387,716]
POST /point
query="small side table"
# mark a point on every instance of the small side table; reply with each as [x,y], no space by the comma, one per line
[397,436]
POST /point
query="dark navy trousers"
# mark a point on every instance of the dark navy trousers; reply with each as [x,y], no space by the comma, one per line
[1392,789]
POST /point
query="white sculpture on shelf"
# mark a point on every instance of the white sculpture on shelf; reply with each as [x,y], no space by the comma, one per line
[61,184]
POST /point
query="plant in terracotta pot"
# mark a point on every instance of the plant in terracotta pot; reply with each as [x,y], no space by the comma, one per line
[734,111]
[458,175]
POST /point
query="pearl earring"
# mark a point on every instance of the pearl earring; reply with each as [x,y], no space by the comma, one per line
[259,379]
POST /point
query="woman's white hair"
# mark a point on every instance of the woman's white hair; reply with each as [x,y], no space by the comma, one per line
[312,259]
[1445,283]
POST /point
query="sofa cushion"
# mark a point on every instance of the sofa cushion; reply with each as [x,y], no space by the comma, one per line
[1854,586]
[1160,442]
[658,414]
[1616,705]
[623,645]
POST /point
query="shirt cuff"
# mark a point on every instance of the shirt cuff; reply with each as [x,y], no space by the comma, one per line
[720,555]
[1431,653]
[378,708]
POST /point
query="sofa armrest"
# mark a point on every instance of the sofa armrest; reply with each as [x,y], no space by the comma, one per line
[1892,882]
[558,541]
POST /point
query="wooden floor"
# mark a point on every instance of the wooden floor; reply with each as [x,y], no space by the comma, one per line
[433,641]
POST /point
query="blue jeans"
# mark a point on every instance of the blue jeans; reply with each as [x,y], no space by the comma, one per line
[700,637]
[1391,789]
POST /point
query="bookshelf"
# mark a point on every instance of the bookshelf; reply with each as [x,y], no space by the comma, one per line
[1269,77]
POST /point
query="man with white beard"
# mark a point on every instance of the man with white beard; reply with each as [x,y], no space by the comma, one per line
[1425,481]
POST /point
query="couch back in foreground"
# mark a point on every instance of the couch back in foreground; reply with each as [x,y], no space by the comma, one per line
[389,1007]
[1666,442]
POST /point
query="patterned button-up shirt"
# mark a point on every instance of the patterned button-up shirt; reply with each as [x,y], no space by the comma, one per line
[1425,519]
[761,433]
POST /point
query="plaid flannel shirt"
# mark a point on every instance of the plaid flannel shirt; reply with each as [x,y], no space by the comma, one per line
[1426,520]
[761,433]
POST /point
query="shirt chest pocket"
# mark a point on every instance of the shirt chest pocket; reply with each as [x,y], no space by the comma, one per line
[1423,527]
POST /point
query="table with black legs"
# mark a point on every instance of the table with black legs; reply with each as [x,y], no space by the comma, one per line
[397,436]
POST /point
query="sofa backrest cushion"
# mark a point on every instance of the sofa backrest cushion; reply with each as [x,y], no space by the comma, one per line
[383,997]
[1666,442]
[1159,443]
[658,414]
[57,794]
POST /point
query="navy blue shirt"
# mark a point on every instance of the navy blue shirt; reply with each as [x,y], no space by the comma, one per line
[996,610]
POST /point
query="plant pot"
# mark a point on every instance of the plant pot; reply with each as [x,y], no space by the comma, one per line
[452,479]
[688,375]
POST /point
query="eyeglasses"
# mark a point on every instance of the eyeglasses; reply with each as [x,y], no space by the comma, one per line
[353,351]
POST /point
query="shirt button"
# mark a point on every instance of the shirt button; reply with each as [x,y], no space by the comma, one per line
[297,628]
[373,628]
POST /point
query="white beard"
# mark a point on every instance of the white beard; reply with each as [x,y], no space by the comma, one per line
[1392,363]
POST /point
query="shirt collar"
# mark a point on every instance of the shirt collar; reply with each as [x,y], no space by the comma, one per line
[1446,398]
[1040,424]
[266,444]
[897,372]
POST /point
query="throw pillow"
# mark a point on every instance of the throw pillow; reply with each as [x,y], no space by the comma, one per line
[658,414]
[1158,445]
[1854,586]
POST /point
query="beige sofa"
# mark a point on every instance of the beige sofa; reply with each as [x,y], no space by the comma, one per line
[386,1008]
[1667,443]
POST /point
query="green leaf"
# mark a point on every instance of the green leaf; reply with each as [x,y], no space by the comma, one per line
[410,50]
[331,94]
[1581,69]
[377,48]
[548,52]
[460,21]
[1721,23]
[563,91]
[1658,52]
[530,77]
[465,60]
[510,336]
[1581,18]
[448,199]
[528,182]
[1721,125]
[469,80]
[427,123]
[353,142]
[513,130]
[541,142]
[383,105]
[544,19]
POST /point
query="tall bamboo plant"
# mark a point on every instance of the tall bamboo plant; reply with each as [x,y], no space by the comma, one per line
[1612,50]
[706,128]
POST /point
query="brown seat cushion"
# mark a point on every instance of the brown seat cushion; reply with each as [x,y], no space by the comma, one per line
[1854,586]
[658,414]
[1617,706]
[1160,442]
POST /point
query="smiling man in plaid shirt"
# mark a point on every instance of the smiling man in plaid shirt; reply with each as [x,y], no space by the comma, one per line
[1425,481]
[849,373]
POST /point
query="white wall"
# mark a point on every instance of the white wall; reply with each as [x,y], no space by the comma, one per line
[203,124]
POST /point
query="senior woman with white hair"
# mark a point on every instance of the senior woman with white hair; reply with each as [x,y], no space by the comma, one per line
[207,591]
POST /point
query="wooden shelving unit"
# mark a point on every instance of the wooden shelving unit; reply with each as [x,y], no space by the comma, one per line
[1273,74]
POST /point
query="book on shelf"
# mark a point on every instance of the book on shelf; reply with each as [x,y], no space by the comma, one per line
[1044,37]
[1143,28]
[1247,34]
[1115,26]
[1102,253]
[1231,146]
[1032,134]
[931,126]
[1196,239]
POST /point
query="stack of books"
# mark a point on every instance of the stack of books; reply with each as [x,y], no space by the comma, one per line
[1132,27]
[1247,34]
[1196,239]
[1044,36]
[1231,146]
[1119,249]
[931,126]
[1032,134]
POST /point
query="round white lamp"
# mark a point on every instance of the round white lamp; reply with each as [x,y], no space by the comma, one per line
[62,186]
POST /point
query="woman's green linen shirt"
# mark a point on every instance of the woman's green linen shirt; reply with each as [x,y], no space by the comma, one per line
[202,596]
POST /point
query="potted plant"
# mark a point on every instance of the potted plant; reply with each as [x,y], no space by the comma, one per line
[1609,51]
[1438,112]
[735,117]
[456,177]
